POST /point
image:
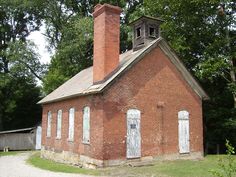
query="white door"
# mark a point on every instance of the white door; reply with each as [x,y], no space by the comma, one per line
[133,134]
[86,125]
[38,137]
[183,117]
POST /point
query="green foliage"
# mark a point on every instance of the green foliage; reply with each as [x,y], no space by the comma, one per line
[18,18]
[18,90]
[18,97]
[24,60]
[58,14]
[19,64]
[227,166]
[70,32]
[74,53]
[187,26]
[212,68]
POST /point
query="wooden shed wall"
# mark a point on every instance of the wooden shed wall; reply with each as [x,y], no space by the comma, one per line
[18,141]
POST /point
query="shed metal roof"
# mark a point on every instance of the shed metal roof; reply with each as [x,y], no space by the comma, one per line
[82,83]
[17,131]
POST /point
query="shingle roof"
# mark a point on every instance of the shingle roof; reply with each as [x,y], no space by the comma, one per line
[82,83]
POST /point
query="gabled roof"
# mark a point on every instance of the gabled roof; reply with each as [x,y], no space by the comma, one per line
[82,83]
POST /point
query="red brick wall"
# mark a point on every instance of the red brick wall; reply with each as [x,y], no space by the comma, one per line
[148,83]
[106,40]
[94,149]
[151,81]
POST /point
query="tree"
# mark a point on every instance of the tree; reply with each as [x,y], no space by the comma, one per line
[18,90]
[220,55]
[18,62]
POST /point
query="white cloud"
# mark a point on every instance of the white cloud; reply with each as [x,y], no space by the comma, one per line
[40,40]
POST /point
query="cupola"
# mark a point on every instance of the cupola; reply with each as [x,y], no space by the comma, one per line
[145,30]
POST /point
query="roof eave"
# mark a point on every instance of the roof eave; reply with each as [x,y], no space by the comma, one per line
[108,81]
[42,102]
[166,49]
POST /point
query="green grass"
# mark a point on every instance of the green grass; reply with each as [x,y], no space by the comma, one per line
[45,164]
[9,153]
[178,168]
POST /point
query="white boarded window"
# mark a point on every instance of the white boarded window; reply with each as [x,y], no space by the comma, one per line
[183,119]
[49,122]
[71,124]
[133,142]
[86,125]
[59,118]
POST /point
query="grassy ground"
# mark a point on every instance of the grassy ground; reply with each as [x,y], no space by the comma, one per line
[9,153]
[45,164]
[178,168]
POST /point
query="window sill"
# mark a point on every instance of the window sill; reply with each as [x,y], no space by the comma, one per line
[70,140]
[58,138]
[86,143]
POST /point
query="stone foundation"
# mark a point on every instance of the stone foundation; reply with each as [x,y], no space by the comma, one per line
[62,157]
[88,162]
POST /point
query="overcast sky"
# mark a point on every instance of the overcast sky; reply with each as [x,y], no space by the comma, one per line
[39,39]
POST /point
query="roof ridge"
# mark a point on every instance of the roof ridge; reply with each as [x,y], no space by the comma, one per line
[70,89]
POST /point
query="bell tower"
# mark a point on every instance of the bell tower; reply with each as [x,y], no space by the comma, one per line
[145,30]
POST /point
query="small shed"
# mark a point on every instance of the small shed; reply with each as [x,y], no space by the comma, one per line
[21,139]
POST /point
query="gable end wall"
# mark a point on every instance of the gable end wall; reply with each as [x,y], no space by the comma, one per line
[149,84]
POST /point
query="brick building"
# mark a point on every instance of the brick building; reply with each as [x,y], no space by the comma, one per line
[139,105]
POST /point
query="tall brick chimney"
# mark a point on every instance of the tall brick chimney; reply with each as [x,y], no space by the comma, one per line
[106,40]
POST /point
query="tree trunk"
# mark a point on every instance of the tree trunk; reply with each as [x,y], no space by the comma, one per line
[233,79]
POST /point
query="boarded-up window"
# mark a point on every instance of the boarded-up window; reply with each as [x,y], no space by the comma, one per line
[133,133]
[71,124]
[49,122]
[59,117]
[86,125]
[183,119]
